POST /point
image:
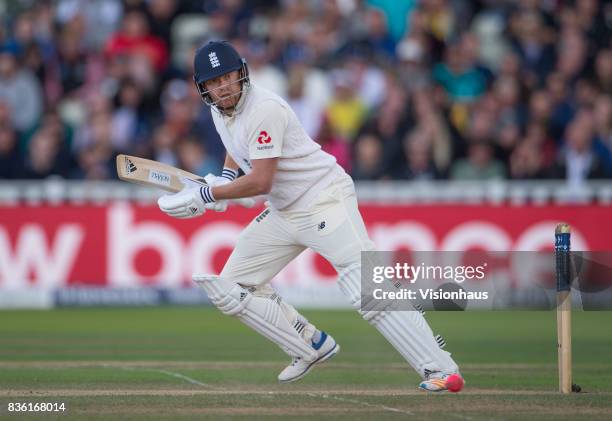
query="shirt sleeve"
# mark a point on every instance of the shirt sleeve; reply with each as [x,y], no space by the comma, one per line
[266,130]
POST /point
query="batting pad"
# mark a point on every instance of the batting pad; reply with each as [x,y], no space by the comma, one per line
[407,331]
[262,314]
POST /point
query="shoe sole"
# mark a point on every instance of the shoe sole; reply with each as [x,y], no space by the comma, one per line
[422,389]
[327,356]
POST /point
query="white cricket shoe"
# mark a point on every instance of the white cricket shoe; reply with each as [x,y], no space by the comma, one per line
[439,382]
[326,348]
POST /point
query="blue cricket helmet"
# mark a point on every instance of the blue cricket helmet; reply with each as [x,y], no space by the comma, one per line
[215,59]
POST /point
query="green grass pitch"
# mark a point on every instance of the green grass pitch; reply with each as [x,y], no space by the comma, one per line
[185,363]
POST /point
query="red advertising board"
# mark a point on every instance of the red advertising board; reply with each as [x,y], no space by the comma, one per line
[127,245]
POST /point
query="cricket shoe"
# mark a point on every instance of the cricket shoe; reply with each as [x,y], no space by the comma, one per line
[439,382]
[326,348]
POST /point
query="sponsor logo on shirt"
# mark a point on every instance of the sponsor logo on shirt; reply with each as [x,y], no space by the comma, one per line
[264,137]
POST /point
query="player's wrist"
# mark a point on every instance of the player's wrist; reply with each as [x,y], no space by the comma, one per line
[229,174]
[206,194]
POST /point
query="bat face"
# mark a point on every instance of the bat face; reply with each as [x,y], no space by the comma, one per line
[152,173]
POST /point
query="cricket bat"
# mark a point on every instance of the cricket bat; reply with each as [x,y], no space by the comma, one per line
[166,177]
[152,173]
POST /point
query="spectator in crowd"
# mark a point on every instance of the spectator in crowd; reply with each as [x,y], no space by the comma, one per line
[164,146]
[413,70]
[178,110]
[5,115]
[572,55]
[418,155]
[134,39]
[436,129]
[562,107]
[603,120]
[20,90]
[603,71]
[53,123]
[395,14]
[368,158]
[540,108]
[333,144]
[11,161]
[368,80]
[308,111]
[100,18]
[579,158]
[480,164]
[459,75]
[129,126]
[346,112]
[530,40]
[376,36]
[32,45]
[391,121]
[440,19]
[539,140]
[72,70]
[509,116]
[161,15]
[99,109]
[47,155]
[97,156]
[526,162]
[317,84]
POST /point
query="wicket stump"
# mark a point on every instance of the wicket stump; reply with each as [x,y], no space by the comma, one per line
[564,307]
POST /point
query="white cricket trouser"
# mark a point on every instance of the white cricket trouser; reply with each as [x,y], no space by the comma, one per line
[332,227]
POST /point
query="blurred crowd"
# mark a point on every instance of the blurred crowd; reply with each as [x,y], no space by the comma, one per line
[394,89]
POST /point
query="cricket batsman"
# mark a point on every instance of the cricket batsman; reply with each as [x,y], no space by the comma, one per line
[311,203]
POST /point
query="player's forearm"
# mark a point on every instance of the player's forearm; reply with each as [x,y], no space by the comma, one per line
[247,186]
[230,163]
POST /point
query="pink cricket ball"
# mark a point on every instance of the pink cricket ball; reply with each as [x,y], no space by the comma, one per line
[454,383]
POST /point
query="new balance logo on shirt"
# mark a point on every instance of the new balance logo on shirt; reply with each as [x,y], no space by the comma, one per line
[263,139]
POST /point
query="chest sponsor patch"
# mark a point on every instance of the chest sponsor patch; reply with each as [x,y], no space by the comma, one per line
[264,138]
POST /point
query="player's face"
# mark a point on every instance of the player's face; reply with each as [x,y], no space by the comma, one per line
[225,89]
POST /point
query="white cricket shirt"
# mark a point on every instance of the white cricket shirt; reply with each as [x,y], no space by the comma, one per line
[266,127]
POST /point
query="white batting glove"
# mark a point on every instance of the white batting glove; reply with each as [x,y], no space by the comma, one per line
[188,203]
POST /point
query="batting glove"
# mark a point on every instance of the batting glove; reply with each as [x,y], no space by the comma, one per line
[188,203]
